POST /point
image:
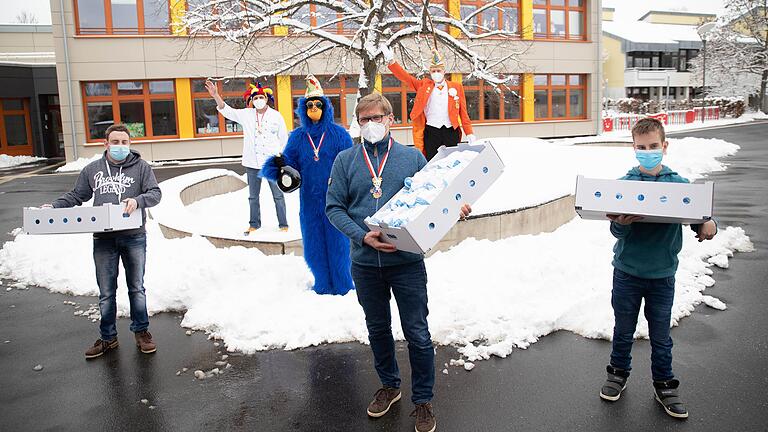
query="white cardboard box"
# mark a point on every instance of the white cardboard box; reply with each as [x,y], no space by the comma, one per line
[656,202]
[107,217]
[426,230]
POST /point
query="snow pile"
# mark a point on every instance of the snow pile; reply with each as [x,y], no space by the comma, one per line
[7,161]
[487,298]
[421,189]
[79,164]
[522,288]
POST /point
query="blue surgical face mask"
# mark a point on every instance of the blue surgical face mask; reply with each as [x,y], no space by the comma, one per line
[119,152]
[649,159]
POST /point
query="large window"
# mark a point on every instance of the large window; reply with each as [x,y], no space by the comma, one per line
[399,96]
[559,19]
[15,127]
[122,17]
[341,90]
[504,16]
[486,103]
[208,120]
[560,97]
[320,16]
[147,108]
[436,8]
[680,60]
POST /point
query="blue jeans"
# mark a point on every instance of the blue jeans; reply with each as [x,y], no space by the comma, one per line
[408,282]
[254,188]
[628,291]
[107,253]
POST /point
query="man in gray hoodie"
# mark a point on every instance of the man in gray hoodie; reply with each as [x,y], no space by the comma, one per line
[120,176]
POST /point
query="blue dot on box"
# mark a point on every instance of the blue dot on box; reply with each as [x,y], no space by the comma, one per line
[37,221]
[663,198]
[65,220]
[641,197]
[619,196]
[445,211]
[79,219]
[126,215]
[50,221]
[458,197]
[431,226]
[686,200]
[598,194]
[93,218]
[471,183]
[485,170]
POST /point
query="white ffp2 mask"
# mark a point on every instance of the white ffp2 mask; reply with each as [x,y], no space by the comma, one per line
[259,103]
[373,132]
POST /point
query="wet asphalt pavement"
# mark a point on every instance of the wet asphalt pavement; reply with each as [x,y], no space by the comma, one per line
[721,357]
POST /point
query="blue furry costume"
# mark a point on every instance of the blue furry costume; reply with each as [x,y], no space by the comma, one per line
[326,250]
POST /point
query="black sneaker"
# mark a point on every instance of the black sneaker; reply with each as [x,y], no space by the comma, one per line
[667,395]
[615,383]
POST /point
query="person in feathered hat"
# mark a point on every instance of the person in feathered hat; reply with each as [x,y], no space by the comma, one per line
[311,150]
[264,135]
[439,112]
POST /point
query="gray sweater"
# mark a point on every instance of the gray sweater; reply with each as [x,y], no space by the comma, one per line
[108,182]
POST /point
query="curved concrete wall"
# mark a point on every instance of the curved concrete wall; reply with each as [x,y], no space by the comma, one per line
[545,217]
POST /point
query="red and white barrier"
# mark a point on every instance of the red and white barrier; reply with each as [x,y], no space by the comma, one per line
[677,117]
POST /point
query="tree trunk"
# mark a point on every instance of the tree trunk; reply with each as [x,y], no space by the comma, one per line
[370,69]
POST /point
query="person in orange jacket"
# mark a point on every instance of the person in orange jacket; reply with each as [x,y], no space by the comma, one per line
[439,112]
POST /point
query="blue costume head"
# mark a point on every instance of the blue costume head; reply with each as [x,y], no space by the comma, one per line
[314,110]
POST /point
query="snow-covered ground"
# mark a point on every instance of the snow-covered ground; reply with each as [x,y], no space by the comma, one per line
[80,163]
[11,161]
[536,171]
[486,298]
[625,135]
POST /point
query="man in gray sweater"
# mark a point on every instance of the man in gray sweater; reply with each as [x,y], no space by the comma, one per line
[363,179]
[120,176]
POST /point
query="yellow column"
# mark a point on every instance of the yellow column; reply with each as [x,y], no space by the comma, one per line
[528,97]
[457,77]
[184,107]
[454,9]
[526,19]
[377,86]
[178,8]
[284,99]
[280,30]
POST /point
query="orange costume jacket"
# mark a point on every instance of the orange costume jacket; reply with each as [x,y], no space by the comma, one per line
[457,108]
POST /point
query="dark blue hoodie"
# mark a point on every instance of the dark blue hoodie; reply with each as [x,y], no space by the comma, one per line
[649,250]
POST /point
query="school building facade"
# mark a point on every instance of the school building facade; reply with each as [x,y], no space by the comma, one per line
[129,61]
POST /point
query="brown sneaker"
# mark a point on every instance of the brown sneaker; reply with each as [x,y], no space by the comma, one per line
[425,418]
[382,400]
[145,343]
[100,347]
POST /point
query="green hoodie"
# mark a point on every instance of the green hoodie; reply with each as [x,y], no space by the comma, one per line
[649,250]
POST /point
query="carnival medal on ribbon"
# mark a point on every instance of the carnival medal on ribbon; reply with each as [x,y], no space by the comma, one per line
[316,149]
[376,178]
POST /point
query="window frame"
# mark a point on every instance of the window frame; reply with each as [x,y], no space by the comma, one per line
[567,87]
[109,29]
[115,100]
[341,91]
[482,88]
[500,13]
[566,8]
[17,150]
[224,95]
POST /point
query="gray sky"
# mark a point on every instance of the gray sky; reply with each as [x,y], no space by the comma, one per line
[625,9]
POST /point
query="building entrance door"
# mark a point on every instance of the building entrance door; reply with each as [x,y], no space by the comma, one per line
[53,133]
[15,127]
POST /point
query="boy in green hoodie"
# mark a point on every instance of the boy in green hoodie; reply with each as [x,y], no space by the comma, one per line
[645,262]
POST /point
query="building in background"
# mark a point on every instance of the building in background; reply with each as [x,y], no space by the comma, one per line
[126,64]
[650,58]
[30,119]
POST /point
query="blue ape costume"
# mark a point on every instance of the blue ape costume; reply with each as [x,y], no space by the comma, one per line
[326,250]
